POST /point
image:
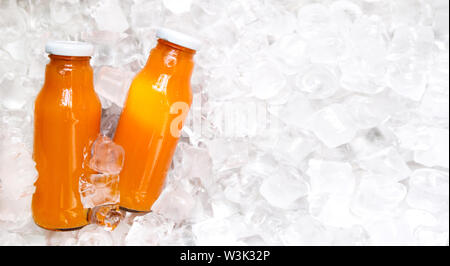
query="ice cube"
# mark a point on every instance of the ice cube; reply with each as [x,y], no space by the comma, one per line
[11,239]
[290,49]
[368,112]
[177,205]
[11,96]
[353,236]
[107,216]
[195,162]
[178,7]
[13,22]
[330,177]
[332,209]
[296,112]
[344,14]
[150,229]
[377,195]
[305,230]
[387,162]
[364,67]
[428,190]
[62,11]
[361,76]
[294,147]
[110,118]
[408,79]
[313,18]
[113,84]
[17,159]
[107,156]
[145,14]
[267,80]
[333,125]
[434,104]
[68,238]
[109,16]
[389,231]
[99,189]
[92,235]
[215,231]
[317,81]
[283,187]
[226,154]
[436,151]
[372,141]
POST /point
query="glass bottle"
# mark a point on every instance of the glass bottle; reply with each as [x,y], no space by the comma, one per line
[67,120]
[149,127]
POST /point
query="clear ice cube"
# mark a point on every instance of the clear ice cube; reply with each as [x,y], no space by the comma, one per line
[109,16]
[317,81]
[377,195]
[333,125]
[178,7]
[107,156]
[99,189]
[330,177]
[113,84]
[282,188]
[428,190]
[177,205]
[436,150]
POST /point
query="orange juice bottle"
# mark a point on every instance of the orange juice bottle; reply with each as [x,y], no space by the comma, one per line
[158,101]
[67,119]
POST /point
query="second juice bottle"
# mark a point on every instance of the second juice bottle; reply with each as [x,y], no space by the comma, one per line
[149,126]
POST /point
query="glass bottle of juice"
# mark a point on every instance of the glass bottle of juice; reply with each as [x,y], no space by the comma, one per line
[67,120]
[158,101]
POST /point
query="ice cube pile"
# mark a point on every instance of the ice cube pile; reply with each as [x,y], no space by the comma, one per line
[313,122]
[99,183]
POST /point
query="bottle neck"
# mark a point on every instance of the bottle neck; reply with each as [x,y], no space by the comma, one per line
[177,62]
[69,72]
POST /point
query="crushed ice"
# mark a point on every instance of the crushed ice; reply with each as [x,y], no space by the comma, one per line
[350,146]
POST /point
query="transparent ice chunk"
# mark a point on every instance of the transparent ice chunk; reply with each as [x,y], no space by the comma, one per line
[408,79]
[113,84]
[146,14]
[428,190]
[317,81]
[107,156]
[109,16]
[333,125]
[99,189]
[377,195]
[13,22]
[387,162]
[62,11]
[330,177]
[435,152]
[296,112]
[282,188]
[178,7]
[267,80]
[108,216]
[94,236]
[176,205]
[305,230]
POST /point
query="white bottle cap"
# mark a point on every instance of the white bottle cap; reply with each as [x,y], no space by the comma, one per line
[69,48]
[178,38]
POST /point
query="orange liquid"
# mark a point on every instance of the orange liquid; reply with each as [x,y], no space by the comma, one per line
[67,118]
[146,125]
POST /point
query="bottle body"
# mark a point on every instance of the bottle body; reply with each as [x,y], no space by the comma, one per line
[67,120]
[157,104]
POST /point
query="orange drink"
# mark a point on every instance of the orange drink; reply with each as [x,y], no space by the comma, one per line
[149,126]
[67,119]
